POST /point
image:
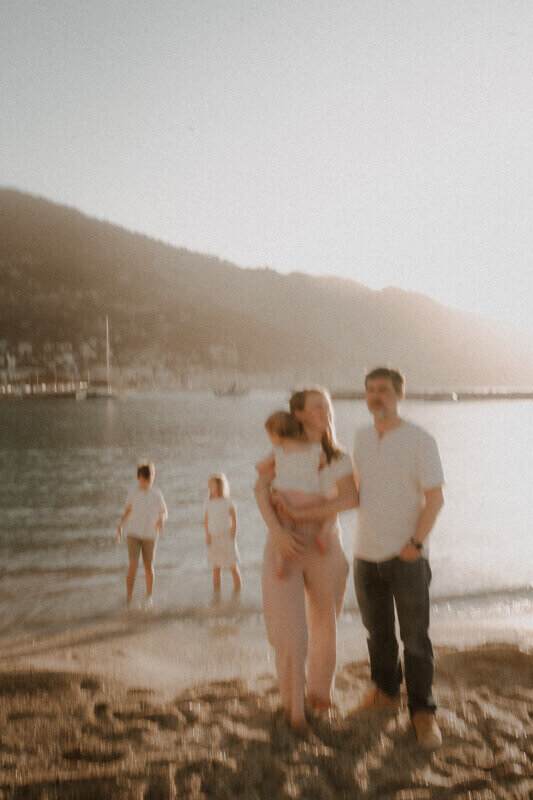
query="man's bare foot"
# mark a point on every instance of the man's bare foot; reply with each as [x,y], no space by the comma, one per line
[376,700]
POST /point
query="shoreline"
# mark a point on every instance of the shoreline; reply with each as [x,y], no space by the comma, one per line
[77,390]
[169,650]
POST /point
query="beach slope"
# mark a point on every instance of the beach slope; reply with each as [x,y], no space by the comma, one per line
[77,736]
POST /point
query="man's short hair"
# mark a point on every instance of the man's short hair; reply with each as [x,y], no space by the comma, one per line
[393,375]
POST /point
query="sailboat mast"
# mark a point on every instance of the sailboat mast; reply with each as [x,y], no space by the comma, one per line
[108,355]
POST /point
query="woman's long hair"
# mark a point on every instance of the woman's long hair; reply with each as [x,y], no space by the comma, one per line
[330,445]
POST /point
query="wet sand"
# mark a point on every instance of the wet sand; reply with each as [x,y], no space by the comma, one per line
[149,709]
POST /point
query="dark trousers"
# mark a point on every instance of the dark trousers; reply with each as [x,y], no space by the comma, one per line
[378,586]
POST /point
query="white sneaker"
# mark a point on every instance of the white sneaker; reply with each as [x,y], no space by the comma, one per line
[149,604]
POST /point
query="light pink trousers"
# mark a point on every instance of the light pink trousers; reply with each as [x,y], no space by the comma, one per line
[301,616]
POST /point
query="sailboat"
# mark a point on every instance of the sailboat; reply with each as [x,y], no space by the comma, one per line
[103,391]
[230,391]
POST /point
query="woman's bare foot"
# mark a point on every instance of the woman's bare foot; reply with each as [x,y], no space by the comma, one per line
[298,725]
[318,703]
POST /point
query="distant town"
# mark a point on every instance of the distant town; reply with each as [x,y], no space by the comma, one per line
[59,369]
[63,367]
[66,368]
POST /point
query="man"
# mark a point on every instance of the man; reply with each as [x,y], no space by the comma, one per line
[399,477]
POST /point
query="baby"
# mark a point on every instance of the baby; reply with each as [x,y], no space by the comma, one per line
[296,463]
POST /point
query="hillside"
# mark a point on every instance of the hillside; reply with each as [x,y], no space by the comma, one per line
[177,314]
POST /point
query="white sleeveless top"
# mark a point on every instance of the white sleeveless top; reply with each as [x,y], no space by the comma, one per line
[297,470]
[223,550]
[217,508]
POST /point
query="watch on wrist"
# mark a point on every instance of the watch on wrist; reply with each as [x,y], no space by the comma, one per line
[418,545]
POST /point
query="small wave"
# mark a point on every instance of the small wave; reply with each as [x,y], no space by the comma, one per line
[89,571]
[492,593]
[233,610]
[68,571]
[59,545]
[229,611]
[498,594]
[200,568]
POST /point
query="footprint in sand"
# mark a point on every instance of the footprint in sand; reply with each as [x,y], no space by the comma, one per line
[94,755]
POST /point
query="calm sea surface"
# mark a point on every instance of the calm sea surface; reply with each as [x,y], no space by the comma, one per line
[65,468]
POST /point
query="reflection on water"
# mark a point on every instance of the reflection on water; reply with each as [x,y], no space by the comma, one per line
[66,467]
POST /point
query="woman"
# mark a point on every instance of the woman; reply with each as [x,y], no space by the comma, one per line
[317,580]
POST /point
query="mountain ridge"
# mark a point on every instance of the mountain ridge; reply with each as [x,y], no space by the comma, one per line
[191,313]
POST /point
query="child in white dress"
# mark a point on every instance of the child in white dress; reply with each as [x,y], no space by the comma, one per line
[296,463]
[221,530]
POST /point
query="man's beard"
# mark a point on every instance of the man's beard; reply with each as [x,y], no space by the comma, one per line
[379,413]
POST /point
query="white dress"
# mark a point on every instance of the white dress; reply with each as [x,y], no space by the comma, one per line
[223,550]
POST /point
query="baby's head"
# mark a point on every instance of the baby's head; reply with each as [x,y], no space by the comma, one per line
[145,474]
[281,425]
[218,485]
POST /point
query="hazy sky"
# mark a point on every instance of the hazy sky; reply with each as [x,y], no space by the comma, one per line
[382,140]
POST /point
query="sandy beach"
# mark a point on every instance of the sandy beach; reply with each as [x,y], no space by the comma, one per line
[158,708]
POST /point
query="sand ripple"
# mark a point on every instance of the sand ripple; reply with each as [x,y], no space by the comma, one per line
[74,737]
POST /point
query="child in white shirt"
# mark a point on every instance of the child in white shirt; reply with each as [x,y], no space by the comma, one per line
[145,515]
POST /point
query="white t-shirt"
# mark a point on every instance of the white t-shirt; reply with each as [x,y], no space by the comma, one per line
[393,474]
[147,506]
[217,509]
[297,470]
